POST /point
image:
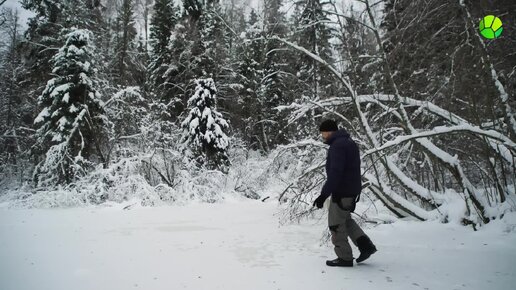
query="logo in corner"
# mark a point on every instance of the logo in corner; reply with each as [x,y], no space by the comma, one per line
[490,27]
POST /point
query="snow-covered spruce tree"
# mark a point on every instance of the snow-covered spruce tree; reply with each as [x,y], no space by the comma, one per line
[211,45]
[207,37]
[315,82]
[162,81]
[40,36]
[248,108]
[277,71]
[173,64]
[44,28]
[198,48]
[71,118]
[204,127]
[43,38]
[213,53]
[162,22]
[314,33]
[123,62]
[193,9]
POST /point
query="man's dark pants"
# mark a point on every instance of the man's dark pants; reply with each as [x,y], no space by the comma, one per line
[343,226]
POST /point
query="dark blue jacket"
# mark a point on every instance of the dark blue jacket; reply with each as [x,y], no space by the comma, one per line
[342,167]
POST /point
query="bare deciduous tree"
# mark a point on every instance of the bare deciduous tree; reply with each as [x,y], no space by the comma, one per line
[396,131]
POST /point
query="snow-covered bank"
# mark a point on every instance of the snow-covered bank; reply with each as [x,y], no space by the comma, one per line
[238,245]
[140,178]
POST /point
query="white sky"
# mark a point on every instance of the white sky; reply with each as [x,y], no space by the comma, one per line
[24,14]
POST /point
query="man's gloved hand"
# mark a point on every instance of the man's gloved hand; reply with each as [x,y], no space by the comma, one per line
[319,202]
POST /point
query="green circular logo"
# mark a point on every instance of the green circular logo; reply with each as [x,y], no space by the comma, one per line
[490,27]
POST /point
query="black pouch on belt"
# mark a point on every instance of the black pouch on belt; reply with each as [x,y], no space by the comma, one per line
[349,203]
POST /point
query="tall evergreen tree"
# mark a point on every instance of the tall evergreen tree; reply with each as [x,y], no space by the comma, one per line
[41,40]
[51,16]
[171,65]
[249,109]
[198,49]
[214,52]
[42,36]
[204,127]
[162,77]
[125,45]
[163,21]
[70,121]
[207,35]
[180,70]
[314,33]
[274,90]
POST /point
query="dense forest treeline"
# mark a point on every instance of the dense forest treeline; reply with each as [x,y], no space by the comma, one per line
[94,90]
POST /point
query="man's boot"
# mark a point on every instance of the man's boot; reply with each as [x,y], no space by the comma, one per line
[366,248]
[339,263]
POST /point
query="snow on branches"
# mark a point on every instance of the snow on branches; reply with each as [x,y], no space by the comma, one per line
[402,189]
[71,108]
[204,127]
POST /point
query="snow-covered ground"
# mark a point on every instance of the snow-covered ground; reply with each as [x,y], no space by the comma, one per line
[238,245]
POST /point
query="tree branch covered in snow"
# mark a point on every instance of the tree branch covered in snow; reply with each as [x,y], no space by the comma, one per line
[476,203]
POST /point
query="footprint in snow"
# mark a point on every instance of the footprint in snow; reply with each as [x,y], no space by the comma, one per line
[389,279]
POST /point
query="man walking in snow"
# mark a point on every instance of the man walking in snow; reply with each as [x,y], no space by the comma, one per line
[343,184]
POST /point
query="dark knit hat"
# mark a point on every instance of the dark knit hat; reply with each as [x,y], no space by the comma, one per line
[328,126]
